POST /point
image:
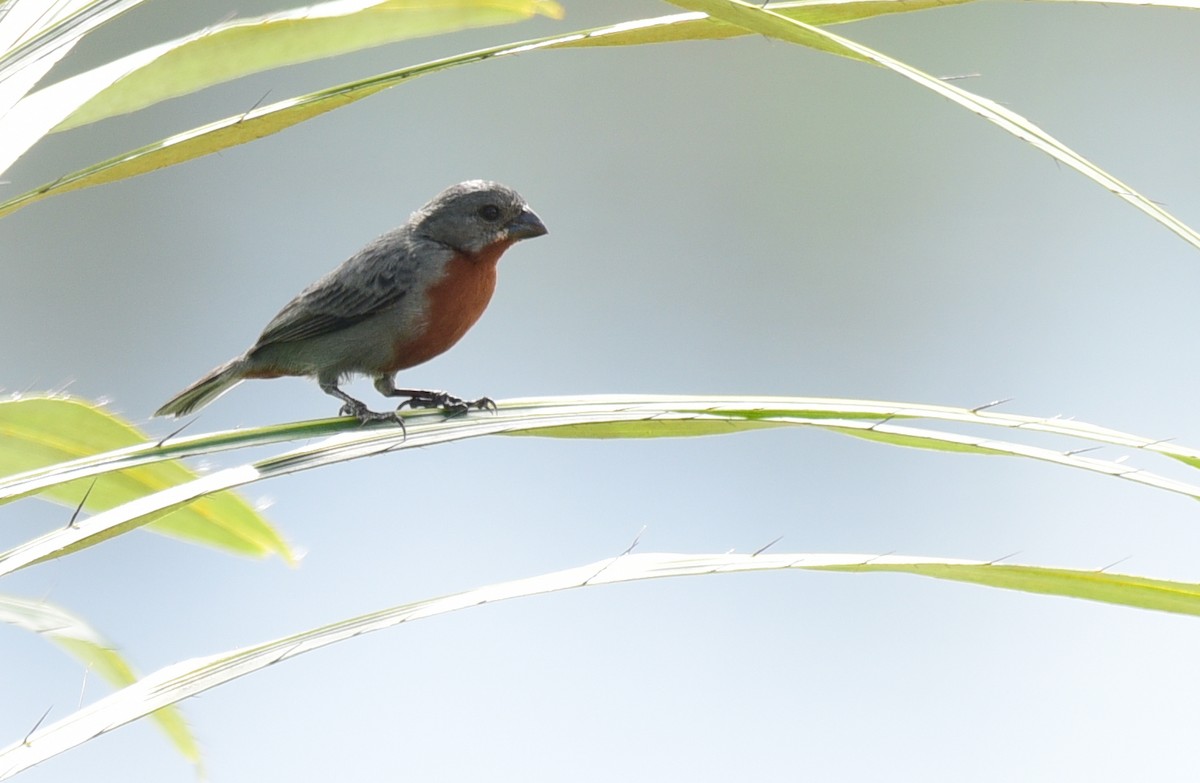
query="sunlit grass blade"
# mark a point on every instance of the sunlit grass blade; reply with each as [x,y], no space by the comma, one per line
[785,24]
[238,48]
[34,36]
[699,26]
[797,409]
[30,28]
[243,46]
[767,22]
[84,643]
[596,420]
[881,432]
[1138,592]
[266,120]
[222,134]
[38,431]
[180,681]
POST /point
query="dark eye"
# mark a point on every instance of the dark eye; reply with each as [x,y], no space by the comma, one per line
[489,212]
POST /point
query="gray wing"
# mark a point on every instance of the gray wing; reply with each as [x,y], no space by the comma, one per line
[373,279]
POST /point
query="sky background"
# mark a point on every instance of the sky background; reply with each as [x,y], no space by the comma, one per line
[736,217]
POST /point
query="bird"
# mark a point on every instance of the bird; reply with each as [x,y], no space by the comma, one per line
[404,298]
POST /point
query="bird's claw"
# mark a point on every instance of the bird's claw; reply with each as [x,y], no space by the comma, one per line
[365,415]
[451,405]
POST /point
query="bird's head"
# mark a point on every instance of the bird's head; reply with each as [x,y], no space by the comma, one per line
[477,214]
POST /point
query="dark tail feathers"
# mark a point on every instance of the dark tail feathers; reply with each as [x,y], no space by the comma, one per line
[205,390]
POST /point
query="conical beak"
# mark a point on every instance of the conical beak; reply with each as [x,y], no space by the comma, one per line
[526,225]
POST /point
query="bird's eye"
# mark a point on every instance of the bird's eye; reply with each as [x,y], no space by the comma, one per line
[489,212]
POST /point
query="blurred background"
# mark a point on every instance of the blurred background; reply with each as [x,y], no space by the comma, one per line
[741,217]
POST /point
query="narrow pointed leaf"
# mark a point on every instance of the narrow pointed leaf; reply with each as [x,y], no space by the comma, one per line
[266,120]
[244,46]
[84,643]
[699,26]
[767,22]
[188,678]
[261,122]
[239,48]
[749,409]
[596,420]
[34,36]
[39,431]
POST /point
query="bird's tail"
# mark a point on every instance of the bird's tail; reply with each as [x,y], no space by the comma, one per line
[205,390]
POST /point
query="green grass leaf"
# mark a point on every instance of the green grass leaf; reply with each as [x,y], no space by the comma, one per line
[35,36]
[709,19]
[699,26]
[174,683]
[234,49]
[39,431]
[84,643]
[1137,592]
[267,120]
[585,417]
[767,22]
[245,46]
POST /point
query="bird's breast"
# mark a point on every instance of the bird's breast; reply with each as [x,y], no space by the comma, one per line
[453,303]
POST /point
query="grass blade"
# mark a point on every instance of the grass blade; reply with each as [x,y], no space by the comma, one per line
[236,49]
[749,408]
[188,678]
[37,432]
[767,22]
[245,46]
[33,37]
[84,643]
[584,420]
[266,120]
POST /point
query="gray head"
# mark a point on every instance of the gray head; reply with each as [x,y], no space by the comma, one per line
[475,214]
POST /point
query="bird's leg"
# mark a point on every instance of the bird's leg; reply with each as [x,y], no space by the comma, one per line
[357,408]
[424,398]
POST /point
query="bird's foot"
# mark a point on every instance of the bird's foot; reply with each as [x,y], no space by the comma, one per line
[451,405]
[365,415]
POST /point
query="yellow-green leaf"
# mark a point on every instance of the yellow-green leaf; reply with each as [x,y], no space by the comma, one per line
[603,417]
[35,36]
[766,22]
[235,49]
[84,643]
[244,46]
[1121,589]
[266,120]
[933,442]
[40,431]
[187,679]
